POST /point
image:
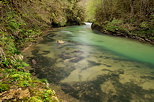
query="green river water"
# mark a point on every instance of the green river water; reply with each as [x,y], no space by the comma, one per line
[93,67]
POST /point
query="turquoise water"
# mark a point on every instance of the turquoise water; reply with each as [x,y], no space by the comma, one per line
[122,46]
[94,67]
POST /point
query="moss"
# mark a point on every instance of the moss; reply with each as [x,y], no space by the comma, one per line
[35,99]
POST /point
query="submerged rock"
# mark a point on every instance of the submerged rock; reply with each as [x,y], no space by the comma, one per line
[60,41]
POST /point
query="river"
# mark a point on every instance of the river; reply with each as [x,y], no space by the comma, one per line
[94,67]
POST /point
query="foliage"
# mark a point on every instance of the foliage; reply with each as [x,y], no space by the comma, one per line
[22,22]
[75,13]
[144,25]
[137,9]
[91,9]
[137,17]
[10,56]
[13,78]
[113,26]
[3,87]
[34,99]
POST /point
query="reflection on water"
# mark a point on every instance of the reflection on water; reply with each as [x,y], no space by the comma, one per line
[95,68]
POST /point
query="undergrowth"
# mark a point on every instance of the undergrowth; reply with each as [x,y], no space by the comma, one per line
[127,18]
[15,78]
[22,22]
[14,83]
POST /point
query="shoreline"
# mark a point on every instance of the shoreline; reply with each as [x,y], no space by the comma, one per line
[144,40]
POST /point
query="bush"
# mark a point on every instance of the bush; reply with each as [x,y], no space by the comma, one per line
[113,26]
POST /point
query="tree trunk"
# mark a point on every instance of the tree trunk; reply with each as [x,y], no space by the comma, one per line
[132,8]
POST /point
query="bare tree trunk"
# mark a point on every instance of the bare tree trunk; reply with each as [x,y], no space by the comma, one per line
[132,8]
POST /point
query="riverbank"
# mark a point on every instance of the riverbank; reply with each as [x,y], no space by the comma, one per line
[139,35]
[22,23]
[130,19]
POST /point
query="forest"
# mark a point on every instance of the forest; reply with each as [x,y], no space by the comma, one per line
[128,18]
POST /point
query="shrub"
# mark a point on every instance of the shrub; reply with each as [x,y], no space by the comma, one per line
[113,26]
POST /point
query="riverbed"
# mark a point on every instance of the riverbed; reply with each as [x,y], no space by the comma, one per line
[94,67]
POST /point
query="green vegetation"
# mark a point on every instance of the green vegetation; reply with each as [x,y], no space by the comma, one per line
[113,25]
[20,85]
[3,87]
[21,23]
[128,18]
[91,9]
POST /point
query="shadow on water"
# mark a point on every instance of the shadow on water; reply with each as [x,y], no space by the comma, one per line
[45,68]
